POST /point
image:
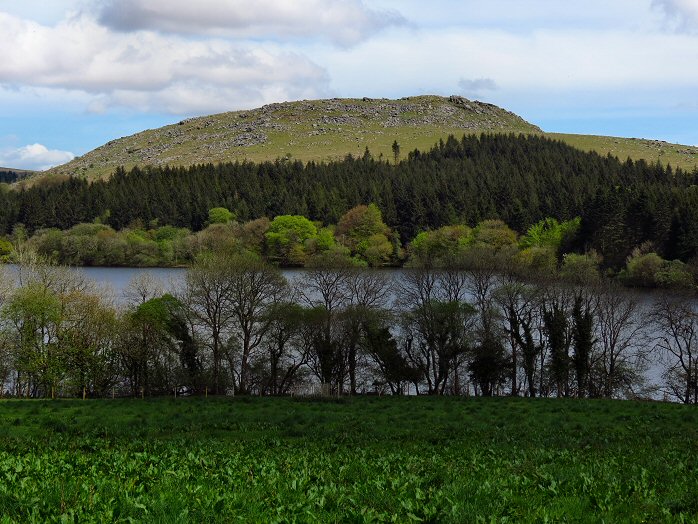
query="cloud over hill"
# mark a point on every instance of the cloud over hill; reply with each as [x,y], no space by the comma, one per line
[35,157]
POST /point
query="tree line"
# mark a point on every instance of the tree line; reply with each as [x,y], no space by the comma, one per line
[520,180]
[361,238]
[236,325]
[9,176]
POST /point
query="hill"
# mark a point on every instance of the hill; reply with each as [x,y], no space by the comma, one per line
[305,130]
[321,130]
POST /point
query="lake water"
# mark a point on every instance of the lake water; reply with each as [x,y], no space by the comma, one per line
[118,278]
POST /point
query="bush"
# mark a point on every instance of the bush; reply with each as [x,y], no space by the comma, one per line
[642,268]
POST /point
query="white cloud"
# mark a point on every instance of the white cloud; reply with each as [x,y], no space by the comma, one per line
[682,13]
[546,61]
[521,16]
[213,74]
[35,157]
[591,59]
[194,98]
[343,22]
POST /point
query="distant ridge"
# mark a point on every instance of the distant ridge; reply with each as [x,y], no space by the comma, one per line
[15,170]
[320,130]
[10,175]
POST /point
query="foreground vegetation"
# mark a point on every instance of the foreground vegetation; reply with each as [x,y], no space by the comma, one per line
[419,459]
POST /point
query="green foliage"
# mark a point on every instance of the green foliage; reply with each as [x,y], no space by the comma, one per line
[556,326]
[489,366]
[92,244]
[53,332]
[642,268]
[6,250]
[438,246]
[674,275]
[337,257]
[376,249]
[396,151]
[359,223]
[33,307]
[440,328]
[583,343]
[362,230]
[88,229]
[394,367]
[580,269]
[324,241]
[494,233]
[365,459]
[220,215]
[216,237]
[537,259]
[549,233]
[170,233]
[650,270]
[155,311]
[293,240]
[252,234]
[286,239]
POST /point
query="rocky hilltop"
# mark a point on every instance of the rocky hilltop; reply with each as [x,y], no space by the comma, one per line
[306,130]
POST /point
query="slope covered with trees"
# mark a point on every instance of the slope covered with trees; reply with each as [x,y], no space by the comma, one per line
[519,179]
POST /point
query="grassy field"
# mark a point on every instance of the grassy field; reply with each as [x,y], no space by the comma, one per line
[359,460]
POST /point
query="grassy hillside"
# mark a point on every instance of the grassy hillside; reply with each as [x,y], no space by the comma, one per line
[306,130]
[329,129]
[676,155]
[422,459]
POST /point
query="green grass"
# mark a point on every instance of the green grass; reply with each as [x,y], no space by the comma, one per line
[360,460]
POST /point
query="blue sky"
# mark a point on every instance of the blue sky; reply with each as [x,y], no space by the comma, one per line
[78,73]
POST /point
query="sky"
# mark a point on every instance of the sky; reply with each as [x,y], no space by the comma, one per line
[75,74]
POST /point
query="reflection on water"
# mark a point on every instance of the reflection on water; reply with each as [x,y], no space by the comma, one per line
[118,278]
